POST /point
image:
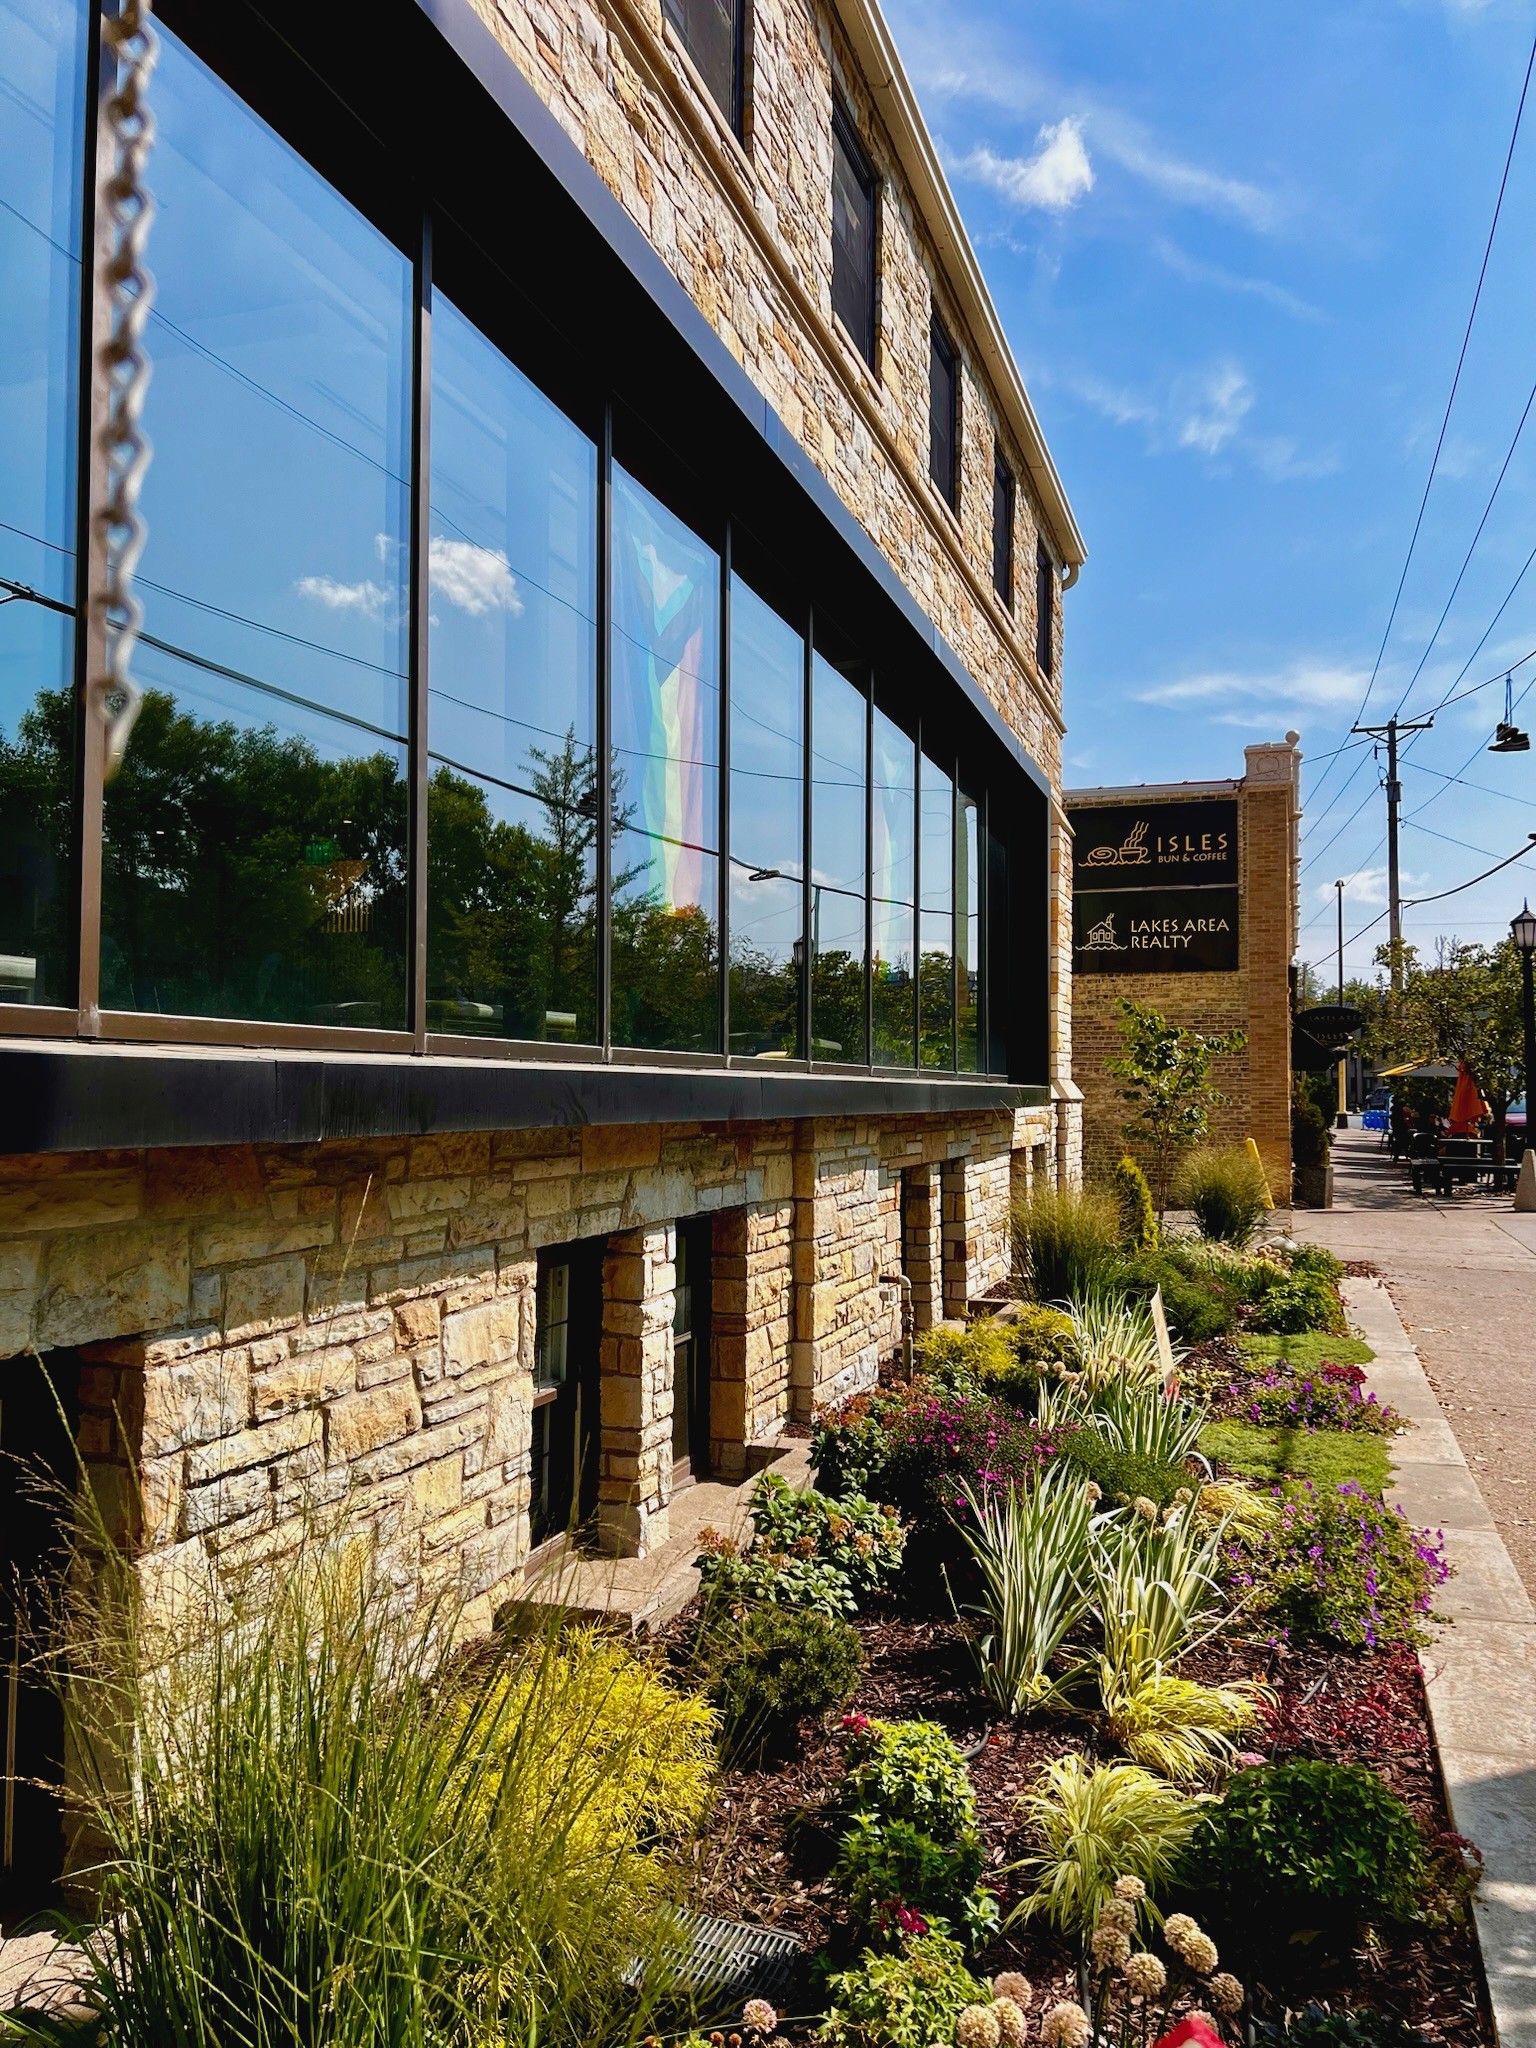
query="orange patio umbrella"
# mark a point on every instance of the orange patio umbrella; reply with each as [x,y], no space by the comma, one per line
[1468,1108]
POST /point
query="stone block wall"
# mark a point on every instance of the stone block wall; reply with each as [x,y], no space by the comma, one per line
[267,1332]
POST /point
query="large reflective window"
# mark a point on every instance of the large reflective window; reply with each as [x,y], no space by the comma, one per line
[893,892]
[936,857]
[255,857]
[839,738]
[767,869]
[512,681]
[666,778]
[968,933]
[42,97]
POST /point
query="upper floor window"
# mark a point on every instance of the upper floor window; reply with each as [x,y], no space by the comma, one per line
[1045,611]
[1002,527]
[714,35]
[943,413]
[853,233]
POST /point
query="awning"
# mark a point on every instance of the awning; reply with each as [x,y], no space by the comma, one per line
[1419,1070]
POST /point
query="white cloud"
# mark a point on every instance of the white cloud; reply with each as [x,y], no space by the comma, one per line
[1197,271]
[1053,179]
[477,580]
[1215,409]
[370,599]
[1128,145]
[1233,697]
[1367,886]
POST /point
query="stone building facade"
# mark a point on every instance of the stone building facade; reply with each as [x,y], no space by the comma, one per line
[387,1255]
[1253,996]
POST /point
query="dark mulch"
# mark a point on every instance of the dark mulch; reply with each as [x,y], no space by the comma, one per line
[1362,1269]
[768,1858]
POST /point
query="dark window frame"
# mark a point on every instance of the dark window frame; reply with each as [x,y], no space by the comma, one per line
[857,308]
[1004,513]
[943,447]
[1045,610]
[732,110]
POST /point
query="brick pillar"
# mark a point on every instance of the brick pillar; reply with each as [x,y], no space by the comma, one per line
[956,1247]
[750,1331]
[922,1252]
[635,1473]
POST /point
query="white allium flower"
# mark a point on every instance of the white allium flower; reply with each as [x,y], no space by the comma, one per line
[1147,1509]
[1015,1985]
[1177,1929]
[1066,2026]
[977,2027]
[1199,1951]
[1118,1913]
[758,2016]
[1145,1975]
[1226,1993]
[1130,1888]
[1012,2027]
[1111,1947]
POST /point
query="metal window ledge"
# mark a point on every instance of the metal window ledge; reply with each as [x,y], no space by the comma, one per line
[75,1096]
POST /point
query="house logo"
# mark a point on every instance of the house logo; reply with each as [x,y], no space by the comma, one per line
[1101,937]
[1132,852]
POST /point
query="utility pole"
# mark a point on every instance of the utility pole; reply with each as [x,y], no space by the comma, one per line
[1391,732]
[1342,1119]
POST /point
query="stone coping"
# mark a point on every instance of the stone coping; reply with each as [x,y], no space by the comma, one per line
[1479,1670]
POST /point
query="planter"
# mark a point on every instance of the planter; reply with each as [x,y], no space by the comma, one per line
[1312,1186]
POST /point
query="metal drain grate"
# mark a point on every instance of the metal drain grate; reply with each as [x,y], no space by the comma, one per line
[726,1961]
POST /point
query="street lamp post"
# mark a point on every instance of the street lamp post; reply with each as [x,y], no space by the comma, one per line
[1522,930]
[1342,1120]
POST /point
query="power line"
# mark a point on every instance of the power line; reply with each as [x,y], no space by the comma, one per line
[1455,385]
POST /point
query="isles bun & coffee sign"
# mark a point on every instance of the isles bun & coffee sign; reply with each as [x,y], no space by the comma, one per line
[1154,888]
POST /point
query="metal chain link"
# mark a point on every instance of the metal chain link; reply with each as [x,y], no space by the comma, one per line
[130,37]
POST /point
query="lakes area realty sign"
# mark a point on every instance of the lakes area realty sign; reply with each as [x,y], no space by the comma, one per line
[1154,888]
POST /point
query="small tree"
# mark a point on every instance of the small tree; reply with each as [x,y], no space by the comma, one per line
[1167,1074]
[1138,1219]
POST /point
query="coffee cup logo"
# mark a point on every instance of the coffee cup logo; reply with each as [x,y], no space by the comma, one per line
[1130,853]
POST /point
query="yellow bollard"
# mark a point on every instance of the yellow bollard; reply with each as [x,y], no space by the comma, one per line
[1253,1153]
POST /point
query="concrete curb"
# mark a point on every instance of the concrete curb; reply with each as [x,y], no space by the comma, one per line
[1480,1670]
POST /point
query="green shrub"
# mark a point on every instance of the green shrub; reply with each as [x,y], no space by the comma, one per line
[1329,1457]
[1223,1187]
[908,1770]
[1311,1131]
[885,1864]
[1066,1241]
[1343,1567]
[920,1445]
[1297,1303]
[985,1356]
[806,1550]
[1119,1475]
[1091,1823]
[1198,1310]
[908,1998]
[1138,1212]
[767,1668]
[1315,1259]
[1046,1334]
[1310,1845]
[1360,2026]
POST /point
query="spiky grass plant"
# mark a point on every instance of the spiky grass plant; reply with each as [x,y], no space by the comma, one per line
[1142,1417]
[319,1826]
[1172,1725]
[1092,1824]
[1223,1187]
[1031,1547]
[1066,1241]
[1116,1338]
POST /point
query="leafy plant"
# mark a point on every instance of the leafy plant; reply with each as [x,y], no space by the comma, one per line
[907,1998]
[885,1865]
[1030,1546]
[1049,1335]
[1066,1241]
[1311,1845]
[984,1357]
[1166,1069]
[767,1668]
[1093,1823]
[1120,1475]
[1328,1457]
[1360,2026]
[1138,1213]
[1224,1188]
[926,1444]
[806,1550]
[1344,1567]
[731,1575]
[1301,1301]
[908,1770]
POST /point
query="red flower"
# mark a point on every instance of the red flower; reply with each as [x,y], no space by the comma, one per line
[1191,2033]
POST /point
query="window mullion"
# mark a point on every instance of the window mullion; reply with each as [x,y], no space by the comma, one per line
[421,607]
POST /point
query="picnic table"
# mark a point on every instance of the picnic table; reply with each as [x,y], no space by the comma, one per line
[1458,1162]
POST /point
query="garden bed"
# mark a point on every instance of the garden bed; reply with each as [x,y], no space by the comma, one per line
[767,1862]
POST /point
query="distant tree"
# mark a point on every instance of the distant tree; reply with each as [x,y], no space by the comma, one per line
[1465,1008]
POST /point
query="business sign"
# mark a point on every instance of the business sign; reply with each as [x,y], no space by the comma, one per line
[1154,931]
[1153,845]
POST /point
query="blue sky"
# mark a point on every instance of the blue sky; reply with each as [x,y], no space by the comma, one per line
[1234,248]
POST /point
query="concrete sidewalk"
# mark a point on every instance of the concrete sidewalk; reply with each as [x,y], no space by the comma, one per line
[1462,1272]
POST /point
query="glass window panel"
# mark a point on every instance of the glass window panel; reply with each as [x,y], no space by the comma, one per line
[943,413]
[42,98]
[893,877]
[666,778]
[968,933]
[512,713]
[839,737]
[936,863]
[711,36]
[853,234]
[256,833]
[767,869]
